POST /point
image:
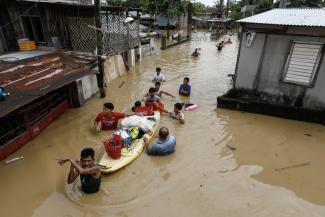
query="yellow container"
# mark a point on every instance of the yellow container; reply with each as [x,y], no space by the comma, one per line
[26,45]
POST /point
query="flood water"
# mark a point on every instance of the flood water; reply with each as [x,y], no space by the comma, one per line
[202,178]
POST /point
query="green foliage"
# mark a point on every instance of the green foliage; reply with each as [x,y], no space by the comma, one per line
[215,35]
[263,5]
[129,3]
[220,4]
[296,3]
[235,13]
[167,8]
[306,3]
[199,8]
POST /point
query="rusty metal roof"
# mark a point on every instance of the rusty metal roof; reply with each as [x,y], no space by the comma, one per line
[289,17]
[29,79]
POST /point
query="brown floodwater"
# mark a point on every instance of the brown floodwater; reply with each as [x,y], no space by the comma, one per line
[202,178]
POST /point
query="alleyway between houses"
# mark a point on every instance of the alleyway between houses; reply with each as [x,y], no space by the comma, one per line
[203,178]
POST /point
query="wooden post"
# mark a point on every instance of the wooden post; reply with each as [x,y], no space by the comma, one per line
[163,41]
[99,42]
[189,19]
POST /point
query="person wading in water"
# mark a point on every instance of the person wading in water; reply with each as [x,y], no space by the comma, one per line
[90,174]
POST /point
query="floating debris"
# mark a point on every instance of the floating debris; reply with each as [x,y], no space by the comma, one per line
[293,166]
[231,147]
[121,84]
[14,159]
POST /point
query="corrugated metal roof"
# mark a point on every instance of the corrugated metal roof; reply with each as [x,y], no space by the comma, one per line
[27,80]
[289,17]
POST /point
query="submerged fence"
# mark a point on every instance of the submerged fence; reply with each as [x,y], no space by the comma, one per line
[117,36]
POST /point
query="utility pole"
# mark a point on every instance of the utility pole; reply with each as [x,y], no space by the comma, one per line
[99,43]
[227,8]
[283,3]
[189,19]
[227,11]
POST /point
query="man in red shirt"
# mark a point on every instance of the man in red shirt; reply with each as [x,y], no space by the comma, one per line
[108,120]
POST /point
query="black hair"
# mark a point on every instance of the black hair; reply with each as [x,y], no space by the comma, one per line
[248,33]
[187,78]
[86,152]
[179,106]
[152,90]
[163,132]
[136,105]
[158,69]
[157,83]
[109,105]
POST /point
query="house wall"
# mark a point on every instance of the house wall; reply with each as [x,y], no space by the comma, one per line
[84,89]
[315,97]
[248,61]
[265,76]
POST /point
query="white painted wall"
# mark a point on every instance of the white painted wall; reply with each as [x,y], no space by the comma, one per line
[131,57]
[89,86]
[248,62]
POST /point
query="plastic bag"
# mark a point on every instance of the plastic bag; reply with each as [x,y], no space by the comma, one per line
[144,123]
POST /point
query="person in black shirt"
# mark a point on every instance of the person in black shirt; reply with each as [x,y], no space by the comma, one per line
[90,174]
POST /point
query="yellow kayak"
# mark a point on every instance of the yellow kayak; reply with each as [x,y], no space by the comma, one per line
[109,165]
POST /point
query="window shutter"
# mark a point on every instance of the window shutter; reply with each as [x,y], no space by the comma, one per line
[303,62]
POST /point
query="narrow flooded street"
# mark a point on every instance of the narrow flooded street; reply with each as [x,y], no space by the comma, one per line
[203,178]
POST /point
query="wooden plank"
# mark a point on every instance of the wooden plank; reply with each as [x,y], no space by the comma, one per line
[304,58]
[302,67]
[310,54]
[303,71]
[299,70]
[297,79]
[296,62]
[295,73]
[307,50]
[312,46]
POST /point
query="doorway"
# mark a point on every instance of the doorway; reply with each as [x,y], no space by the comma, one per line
[34,29]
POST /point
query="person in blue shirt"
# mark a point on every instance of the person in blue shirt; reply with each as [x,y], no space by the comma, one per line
[163,146]
[185,88]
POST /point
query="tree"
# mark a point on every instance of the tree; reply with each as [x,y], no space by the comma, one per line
[306,3]
[263,5]
[235,11]
[129,3]
[199,8]
[220,5]
[167,8]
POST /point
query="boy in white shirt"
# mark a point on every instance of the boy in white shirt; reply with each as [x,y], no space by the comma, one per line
[177,113]
[158,77]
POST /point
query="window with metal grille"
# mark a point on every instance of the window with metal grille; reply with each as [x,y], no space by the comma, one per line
[302,63]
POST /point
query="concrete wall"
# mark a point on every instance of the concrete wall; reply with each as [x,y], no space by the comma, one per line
[86,87]
[315,97]
[89,86]
[131,57]
[269,80]
[268,77]
[249,58]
